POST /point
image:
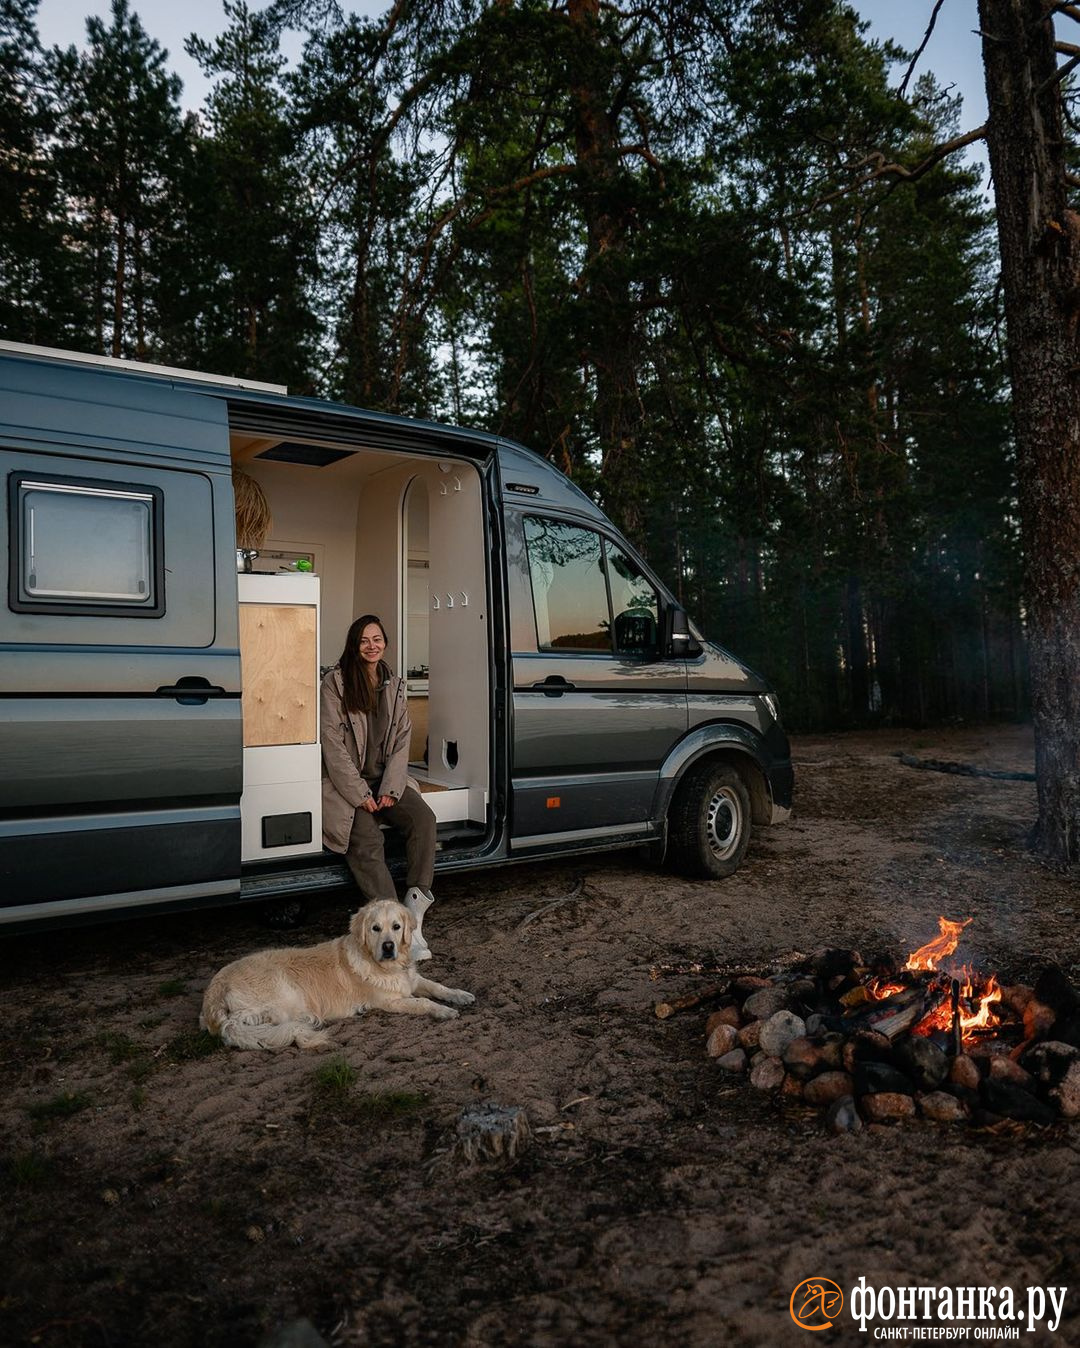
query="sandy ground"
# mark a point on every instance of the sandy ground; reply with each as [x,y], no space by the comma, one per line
[157,1193]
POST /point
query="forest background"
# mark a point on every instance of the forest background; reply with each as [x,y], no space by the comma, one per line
[624,236]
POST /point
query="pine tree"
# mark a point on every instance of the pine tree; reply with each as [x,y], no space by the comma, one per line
[119,141]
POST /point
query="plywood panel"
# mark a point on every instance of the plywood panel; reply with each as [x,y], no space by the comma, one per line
[280,672]
[419,718]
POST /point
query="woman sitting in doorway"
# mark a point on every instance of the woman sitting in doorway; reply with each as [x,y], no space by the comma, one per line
[365,751]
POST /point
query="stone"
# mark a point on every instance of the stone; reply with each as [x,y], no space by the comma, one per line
[964,1071]
[1016,997]
[764,1003]
[942,1107]
[968,1098]
[1038,1019]
[750,1035]
[828,1087]
[294,1334]
[842,1116]
[1067,1095]
[779,1030]
[728,1015]
[878,1078]
[1003,1068]
[735,1061]
[923,1061]
[802,988]
[792,1088]
[866,1046]
[1049,1061]
[887,1106]
[828,962]
[1054,990]
[802,1058]
[815,1023]
[722,1040]
[741,988]
[1067,1028]
[832,1052]
[767,1074]
[1013,1102]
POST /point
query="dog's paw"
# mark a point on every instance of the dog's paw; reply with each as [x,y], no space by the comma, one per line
[459,997]
[444,1013]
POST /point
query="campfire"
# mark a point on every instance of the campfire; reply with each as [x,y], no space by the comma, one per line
[959,1003]
[881,1041]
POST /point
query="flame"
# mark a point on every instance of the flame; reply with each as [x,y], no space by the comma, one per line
[880,989]
[976,1009]
[929,956]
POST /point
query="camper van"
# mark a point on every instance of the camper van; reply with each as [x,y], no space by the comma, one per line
[159,734]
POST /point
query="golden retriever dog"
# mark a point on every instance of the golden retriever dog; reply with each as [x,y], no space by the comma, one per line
[275,998]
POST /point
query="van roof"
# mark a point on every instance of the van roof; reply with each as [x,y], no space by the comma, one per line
[269,409]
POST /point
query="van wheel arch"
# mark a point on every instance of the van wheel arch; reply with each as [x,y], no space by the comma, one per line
[718,798]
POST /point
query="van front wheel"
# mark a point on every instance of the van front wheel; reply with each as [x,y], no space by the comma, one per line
[709,823]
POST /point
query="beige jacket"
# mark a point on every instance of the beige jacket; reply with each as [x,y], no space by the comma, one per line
[344,745]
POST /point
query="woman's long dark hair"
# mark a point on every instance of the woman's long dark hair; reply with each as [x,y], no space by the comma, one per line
[360,692]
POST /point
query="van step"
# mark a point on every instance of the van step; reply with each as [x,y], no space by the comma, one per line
[333,876]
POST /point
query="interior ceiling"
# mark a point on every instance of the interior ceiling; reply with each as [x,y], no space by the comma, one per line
[358,464]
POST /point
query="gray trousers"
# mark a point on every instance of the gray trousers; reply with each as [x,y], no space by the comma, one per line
[366,857]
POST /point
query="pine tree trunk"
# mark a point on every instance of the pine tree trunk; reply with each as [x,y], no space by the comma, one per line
[611,322]
[1040,264]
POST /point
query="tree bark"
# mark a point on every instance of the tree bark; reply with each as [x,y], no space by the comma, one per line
[611,324]
[1040,266]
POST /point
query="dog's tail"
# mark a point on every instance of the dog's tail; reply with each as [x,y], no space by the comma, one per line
[250,1029]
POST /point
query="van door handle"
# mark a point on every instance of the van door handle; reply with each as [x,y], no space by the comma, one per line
[554,686]
[191,691]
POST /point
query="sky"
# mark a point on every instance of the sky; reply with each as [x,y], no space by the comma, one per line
[952,52]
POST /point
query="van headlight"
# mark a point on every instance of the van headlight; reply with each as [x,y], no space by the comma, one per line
[773,703]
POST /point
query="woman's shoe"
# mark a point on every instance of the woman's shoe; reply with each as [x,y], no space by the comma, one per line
[418,901]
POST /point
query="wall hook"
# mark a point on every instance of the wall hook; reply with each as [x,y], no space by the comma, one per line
[464,599]
[449,601]
[434,602]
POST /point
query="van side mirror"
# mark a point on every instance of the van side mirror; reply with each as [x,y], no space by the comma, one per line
[679,644]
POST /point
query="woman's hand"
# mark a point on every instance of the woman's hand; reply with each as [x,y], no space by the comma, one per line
[371,805]
[386,801]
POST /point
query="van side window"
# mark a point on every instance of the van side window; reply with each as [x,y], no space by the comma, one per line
[569,591]
[85,546]
[634,603]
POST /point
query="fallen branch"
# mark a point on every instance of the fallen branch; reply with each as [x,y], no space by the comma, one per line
[555,903]
[963,769]
[665,1009]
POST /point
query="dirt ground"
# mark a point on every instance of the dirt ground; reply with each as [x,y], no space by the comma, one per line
[159,1193]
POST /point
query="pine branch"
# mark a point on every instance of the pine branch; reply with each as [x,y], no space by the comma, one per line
[900,172]
[922,48]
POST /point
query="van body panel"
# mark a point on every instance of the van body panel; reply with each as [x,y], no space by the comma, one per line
[74,750]
[54,859]
[133,714]
[109,412]
[741,736]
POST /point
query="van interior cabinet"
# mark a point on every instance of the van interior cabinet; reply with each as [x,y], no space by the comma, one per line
[279,656]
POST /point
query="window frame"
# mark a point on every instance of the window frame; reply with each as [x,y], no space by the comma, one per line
[607,541]
[19,602]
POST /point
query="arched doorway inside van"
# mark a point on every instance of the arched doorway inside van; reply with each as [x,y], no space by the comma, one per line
[416,610]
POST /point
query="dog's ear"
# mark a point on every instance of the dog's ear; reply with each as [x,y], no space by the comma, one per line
[358,926]
[408,926]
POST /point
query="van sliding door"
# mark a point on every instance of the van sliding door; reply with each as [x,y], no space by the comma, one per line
[120,725]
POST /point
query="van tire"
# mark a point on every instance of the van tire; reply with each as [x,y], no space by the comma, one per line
[709,822]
